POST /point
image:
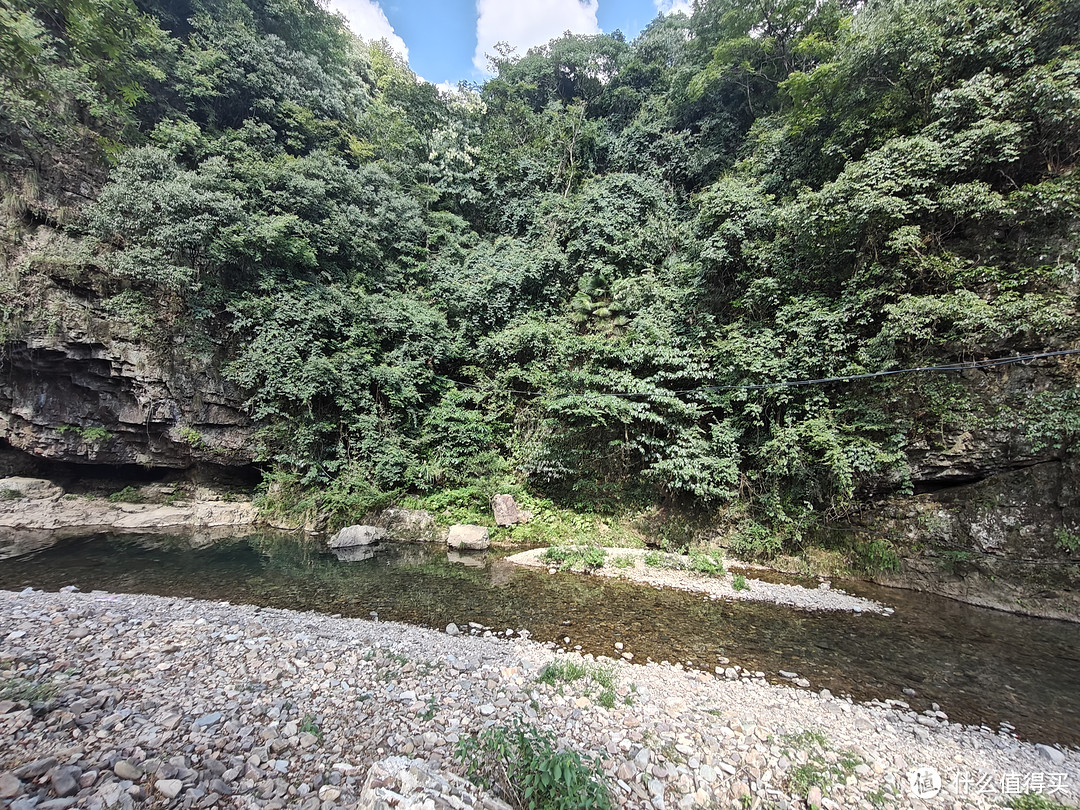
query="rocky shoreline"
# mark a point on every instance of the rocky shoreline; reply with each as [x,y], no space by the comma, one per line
[130,701]
[36,513]
[716,587]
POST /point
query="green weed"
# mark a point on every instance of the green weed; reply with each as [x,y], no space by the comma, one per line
[704,563]
[738,582]
[524,766]
[309,726]
[127,495]
[562,672]
[432,708]
[575,558]
[1066,540]
[1034,801]
[817,770]
[20,689]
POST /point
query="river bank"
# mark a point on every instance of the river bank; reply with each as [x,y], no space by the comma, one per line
[36,513]
[293,705]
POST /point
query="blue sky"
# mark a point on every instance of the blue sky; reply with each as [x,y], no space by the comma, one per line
[445,40]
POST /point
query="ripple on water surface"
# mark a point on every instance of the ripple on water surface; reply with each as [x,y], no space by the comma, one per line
[980,665]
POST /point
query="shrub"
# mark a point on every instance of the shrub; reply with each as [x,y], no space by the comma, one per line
[877,557]
[128,494]
[755,541]
[738,582]
[524,766]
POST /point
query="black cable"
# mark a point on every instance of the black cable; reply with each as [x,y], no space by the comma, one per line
[969,366]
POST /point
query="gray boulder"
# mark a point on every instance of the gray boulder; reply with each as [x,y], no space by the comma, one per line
[36,489]
[409,525]
[413,784]
[468,537]
[357,536]
[507,512]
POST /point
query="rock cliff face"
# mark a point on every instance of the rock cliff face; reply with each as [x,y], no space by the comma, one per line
[995,519]
[72,398]
[36,513]
[97,375]
[1008,541]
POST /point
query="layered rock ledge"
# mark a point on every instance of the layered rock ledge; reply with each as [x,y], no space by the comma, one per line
[131,701]
[35,514]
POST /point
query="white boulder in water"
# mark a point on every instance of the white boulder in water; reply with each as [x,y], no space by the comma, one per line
[467,537]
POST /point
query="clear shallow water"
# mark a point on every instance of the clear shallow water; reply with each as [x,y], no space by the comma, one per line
[981,666]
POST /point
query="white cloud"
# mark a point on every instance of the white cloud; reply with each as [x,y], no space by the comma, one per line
[525,23]
[674,6]
[367,20]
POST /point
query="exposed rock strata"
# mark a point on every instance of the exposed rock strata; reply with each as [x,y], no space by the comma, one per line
[111,401]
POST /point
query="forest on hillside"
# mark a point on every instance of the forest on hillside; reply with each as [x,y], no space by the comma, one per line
[586,275]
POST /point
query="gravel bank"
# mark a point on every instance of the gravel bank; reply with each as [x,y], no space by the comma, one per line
[823,598]
[173,702]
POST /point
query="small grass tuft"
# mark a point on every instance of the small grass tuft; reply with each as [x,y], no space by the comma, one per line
[22,690]
[738,582]
[1034,801]
[562,672]
[309,726]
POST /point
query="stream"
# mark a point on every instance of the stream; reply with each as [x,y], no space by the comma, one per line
[981,666]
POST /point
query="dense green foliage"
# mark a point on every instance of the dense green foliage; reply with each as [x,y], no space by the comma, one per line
[537,279]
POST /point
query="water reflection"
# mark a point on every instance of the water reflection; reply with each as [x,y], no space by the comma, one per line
[980,665]
[353,553]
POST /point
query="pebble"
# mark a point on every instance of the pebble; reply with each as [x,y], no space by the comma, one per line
[125,770]
[207,720]
[1055,756]
[64,782]
[10,786]
[169,788]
